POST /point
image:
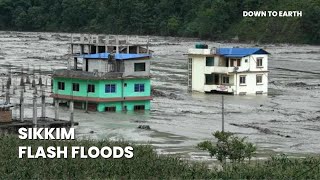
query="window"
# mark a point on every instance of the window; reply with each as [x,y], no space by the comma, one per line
[259,79]
[235,62]
[259,62]
[139,66]
[110,88]
[209,79]
[139,88]
[138,107]
[61,85]
[75,86]
[242,80]
[209,61]
[110,109]
[225,79]
[91,88]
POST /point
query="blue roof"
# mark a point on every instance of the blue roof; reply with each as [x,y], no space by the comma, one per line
[118,56]
[239,52]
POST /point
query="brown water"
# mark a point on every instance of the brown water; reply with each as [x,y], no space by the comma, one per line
[180,120]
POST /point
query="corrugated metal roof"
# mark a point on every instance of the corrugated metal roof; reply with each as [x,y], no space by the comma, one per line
[239,52]
[118,56]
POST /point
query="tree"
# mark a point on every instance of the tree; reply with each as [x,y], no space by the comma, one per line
[229,146]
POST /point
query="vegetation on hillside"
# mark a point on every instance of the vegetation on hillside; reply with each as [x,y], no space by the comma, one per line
[208,19]
[146,164]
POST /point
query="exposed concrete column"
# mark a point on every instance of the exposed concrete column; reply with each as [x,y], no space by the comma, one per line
[71,107]
[43,103]
[34,122]
[56,109]
[128,49]
[138,49]
[81,49]
[22,105]
[8,93]
[117,44]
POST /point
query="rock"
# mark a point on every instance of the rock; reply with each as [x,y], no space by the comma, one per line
[91,132]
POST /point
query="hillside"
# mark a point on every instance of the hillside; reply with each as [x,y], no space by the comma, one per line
[207,19]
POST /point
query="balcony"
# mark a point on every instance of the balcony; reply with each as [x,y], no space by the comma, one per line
[223,70]
[222,88]
[199,51]
[218,69]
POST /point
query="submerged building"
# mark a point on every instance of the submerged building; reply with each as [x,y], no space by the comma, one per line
[230,70]
[108,81]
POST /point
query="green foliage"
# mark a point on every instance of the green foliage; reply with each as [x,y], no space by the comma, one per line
[229,146]
[216,20]
[146,164]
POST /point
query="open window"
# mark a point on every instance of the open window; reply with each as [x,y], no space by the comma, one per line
[110,109]
[209,61]
[139,107]
[139,67]
[75,87]
[61,85]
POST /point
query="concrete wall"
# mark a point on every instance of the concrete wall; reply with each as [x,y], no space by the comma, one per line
[198,75]
[129,68]
[251,87]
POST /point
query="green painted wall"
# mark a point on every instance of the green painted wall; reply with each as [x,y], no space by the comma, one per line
[128,91]
[100,88]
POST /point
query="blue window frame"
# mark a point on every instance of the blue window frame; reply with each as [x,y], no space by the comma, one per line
[138,87]
[110,88]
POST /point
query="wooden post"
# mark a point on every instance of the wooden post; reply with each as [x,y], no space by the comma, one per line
[22,105]
[71,106]
[56,109]
[222,112]
[34,122]
[43,104]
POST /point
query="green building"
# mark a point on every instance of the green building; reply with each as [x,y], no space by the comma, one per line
[105,82]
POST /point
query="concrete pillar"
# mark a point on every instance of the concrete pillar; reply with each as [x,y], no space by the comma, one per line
[81,49]
[71,107]
[22,105]
[138,49]
[43,103]
[128,49]
[8,93]
[56,109]
[34,122]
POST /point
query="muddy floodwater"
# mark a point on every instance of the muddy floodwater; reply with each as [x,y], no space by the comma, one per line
[287,120]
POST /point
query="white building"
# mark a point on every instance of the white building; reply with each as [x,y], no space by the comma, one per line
[232,70]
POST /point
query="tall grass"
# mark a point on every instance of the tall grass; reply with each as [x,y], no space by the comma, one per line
[146,164]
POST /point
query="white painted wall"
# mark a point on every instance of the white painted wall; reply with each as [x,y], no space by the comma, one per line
[198,75]
[129,68]
[251,87]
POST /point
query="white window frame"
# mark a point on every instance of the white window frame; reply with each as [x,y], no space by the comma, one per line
[258,63]
[224,78]
[259,75]
[245,80]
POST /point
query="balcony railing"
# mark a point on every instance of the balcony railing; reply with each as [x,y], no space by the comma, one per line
[222,88]
[223,70]
[199,51]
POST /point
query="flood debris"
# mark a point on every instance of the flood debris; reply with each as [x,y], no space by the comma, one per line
[158,93]
[146,127]
[260,129]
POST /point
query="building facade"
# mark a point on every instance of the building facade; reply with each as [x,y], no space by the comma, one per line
[105,82]
[230,70]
